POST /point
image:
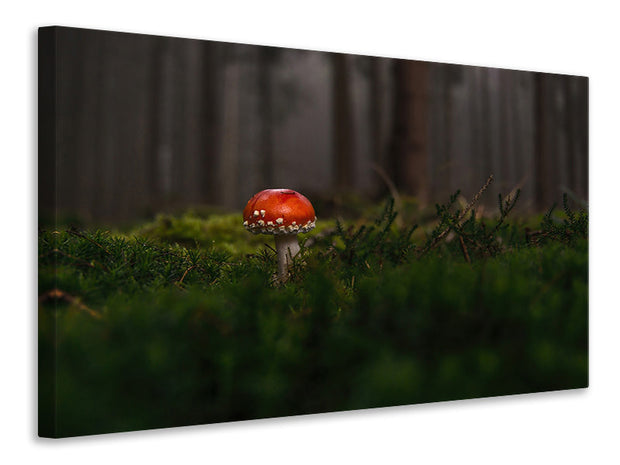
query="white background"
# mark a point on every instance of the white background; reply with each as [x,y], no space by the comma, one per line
[565,37]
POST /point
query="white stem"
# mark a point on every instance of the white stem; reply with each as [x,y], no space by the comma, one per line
[287,247]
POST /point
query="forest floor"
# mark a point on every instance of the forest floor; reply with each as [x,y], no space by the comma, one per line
[179,321]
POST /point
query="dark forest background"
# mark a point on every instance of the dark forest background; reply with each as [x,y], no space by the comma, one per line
[131,125]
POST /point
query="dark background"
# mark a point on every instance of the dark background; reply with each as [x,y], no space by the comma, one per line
[131,125]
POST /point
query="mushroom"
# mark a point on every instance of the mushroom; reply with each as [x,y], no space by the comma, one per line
[283,213]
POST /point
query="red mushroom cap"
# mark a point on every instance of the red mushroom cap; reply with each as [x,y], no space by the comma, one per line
[278,211]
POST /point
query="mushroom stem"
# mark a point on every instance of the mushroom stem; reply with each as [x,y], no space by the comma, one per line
[287,247]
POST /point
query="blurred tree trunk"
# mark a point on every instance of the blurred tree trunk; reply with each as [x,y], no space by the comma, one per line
[228,171]
[581,118]
[266,58]
[544,144]
[408,164]
[561,135]
[209,117]
[154,116]
[376,111]
[343,138]
[47,146]
[90,119]
[576,114]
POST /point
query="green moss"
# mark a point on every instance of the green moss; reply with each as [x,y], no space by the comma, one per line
[180,322]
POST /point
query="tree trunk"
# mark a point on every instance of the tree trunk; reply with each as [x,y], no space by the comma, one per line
[266,58]
[210,122]
[228,171]
[343,138]
[543,169]
[409,163]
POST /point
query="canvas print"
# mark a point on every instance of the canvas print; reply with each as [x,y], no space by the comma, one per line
[231,232]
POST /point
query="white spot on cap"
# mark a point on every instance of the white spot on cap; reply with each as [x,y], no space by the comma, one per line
[256,213]
[269,223]
[261,222]
[262,213]
[280,220]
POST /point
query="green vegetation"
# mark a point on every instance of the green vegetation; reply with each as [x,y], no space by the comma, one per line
[180,322]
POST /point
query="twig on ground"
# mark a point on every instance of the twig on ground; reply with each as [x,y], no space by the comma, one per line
[180,281]
[78,234]
[464,249]
[57,294]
